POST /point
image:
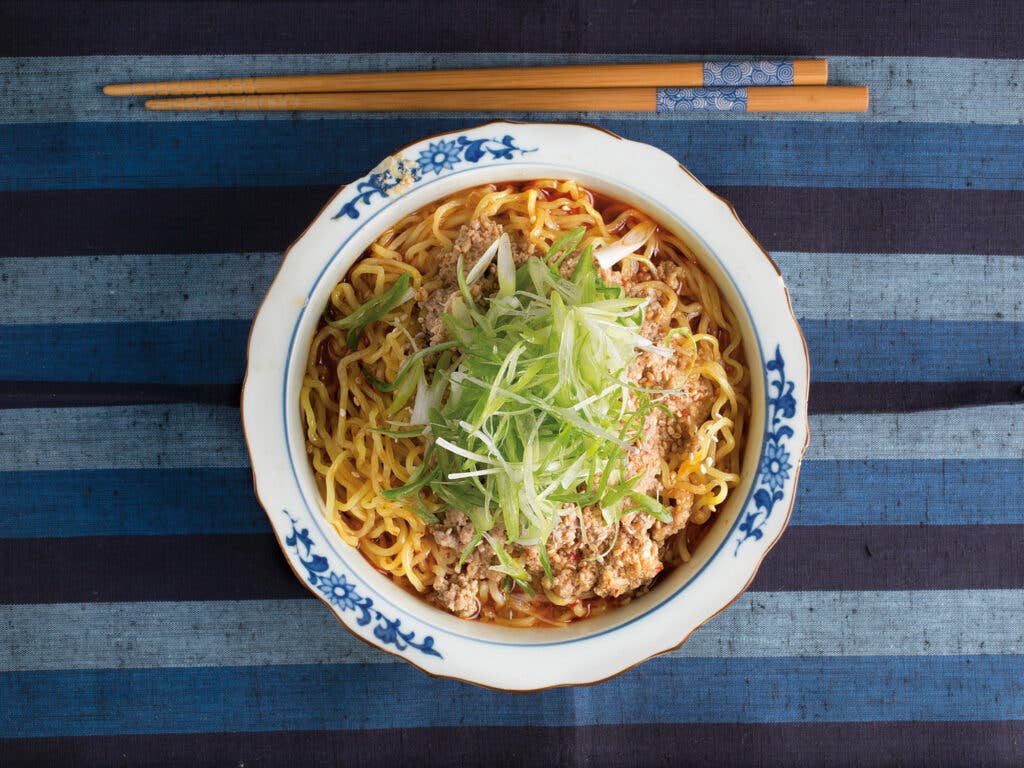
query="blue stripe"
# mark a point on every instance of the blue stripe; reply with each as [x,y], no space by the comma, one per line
[335,150]
[213,351]
[908,350]
[111,502]
[396,696]
[950,492]
[194,352]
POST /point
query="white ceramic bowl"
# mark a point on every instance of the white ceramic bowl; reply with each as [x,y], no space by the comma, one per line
[380,612]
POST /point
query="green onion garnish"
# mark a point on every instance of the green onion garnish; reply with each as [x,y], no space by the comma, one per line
[398,434]
[374,310]
[534,414]
[510,566]
[564,245]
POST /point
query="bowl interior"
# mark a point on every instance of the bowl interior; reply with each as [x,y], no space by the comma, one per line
[335,262]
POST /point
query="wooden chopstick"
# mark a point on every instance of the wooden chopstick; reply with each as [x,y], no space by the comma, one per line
[808,98]
[804,72]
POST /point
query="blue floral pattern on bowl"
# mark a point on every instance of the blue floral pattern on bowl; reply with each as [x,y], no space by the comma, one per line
[342,593]
[439,157]
[774,471]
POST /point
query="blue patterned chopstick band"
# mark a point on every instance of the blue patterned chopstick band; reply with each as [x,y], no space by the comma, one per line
[701,100]
[734,73]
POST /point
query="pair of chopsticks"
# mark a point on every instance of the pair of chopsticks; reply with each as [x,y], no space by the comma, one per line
[746,86]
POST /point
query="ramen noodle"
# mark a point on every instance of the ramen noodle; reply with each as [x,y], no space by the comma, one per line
[525,402]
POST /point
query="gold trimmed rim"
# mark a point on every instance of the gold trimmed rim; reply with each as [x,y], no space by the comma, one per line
[798,461]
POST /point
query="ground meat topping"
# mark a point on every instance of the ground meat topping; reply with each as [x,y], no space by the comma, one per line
[457,591]
[473,239]
[587,556]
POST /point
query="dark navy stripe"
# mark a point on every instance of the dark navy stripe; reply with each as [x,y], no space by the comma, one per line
[233,220]
[901,397]
[881,220]
[895,557]
[161,502]
[913,28]
[133,568]
[396,696]
[92,222]
[61,394]
[239,567]
[827,397]
[283,152]
[205,352]
[729,745]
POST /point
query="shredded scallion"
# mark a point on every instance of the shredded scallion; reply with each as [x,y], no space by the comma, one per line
[535,415]
[374,310]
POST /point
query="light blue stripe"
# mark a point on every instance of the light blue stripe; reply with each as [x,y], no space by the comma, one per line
[992,431]
[135,288]
[213,351]
[230,286]
[183,436]
[875,286]
[125,437]
[903,89]
[390,696]
[142,502]
[255,153]
[261,632]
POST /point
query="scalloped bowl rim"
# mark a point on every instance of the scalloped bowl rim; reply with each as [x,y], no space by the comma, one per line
[366,602]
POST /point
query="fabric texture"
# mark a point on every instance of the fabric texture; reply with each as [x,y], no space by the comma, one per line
[147,616]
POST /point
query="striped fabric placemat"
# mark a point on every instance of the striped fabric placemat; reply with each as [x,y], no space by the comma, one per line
[146,614]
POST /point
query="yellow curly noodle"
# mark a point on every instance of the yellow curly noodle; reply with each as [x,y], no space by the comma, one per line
[340,408]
